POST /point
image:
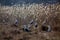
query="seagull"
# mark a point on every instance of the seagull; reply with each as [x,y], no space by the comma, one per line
[26,28]
[15,23]
[46,28]
[32,21]
[35,24]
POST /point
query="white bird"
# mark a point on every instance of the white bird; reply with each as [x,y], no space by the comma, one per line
[49,28]
[26,28]
[35,24]
[32,21]
[46,28]
[16,21]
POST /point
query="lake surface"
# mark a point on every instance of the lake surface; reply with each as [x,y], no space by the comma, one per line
[12,2]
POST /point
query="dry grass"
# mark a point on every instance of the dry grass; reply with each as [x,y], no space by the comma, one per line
[49,14]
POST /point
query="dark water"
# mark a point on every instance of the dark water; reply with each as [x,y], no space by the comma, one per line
[12,2]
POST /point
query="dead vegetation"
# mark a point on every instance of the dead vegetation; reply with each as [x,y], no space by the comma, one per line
[39,13]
